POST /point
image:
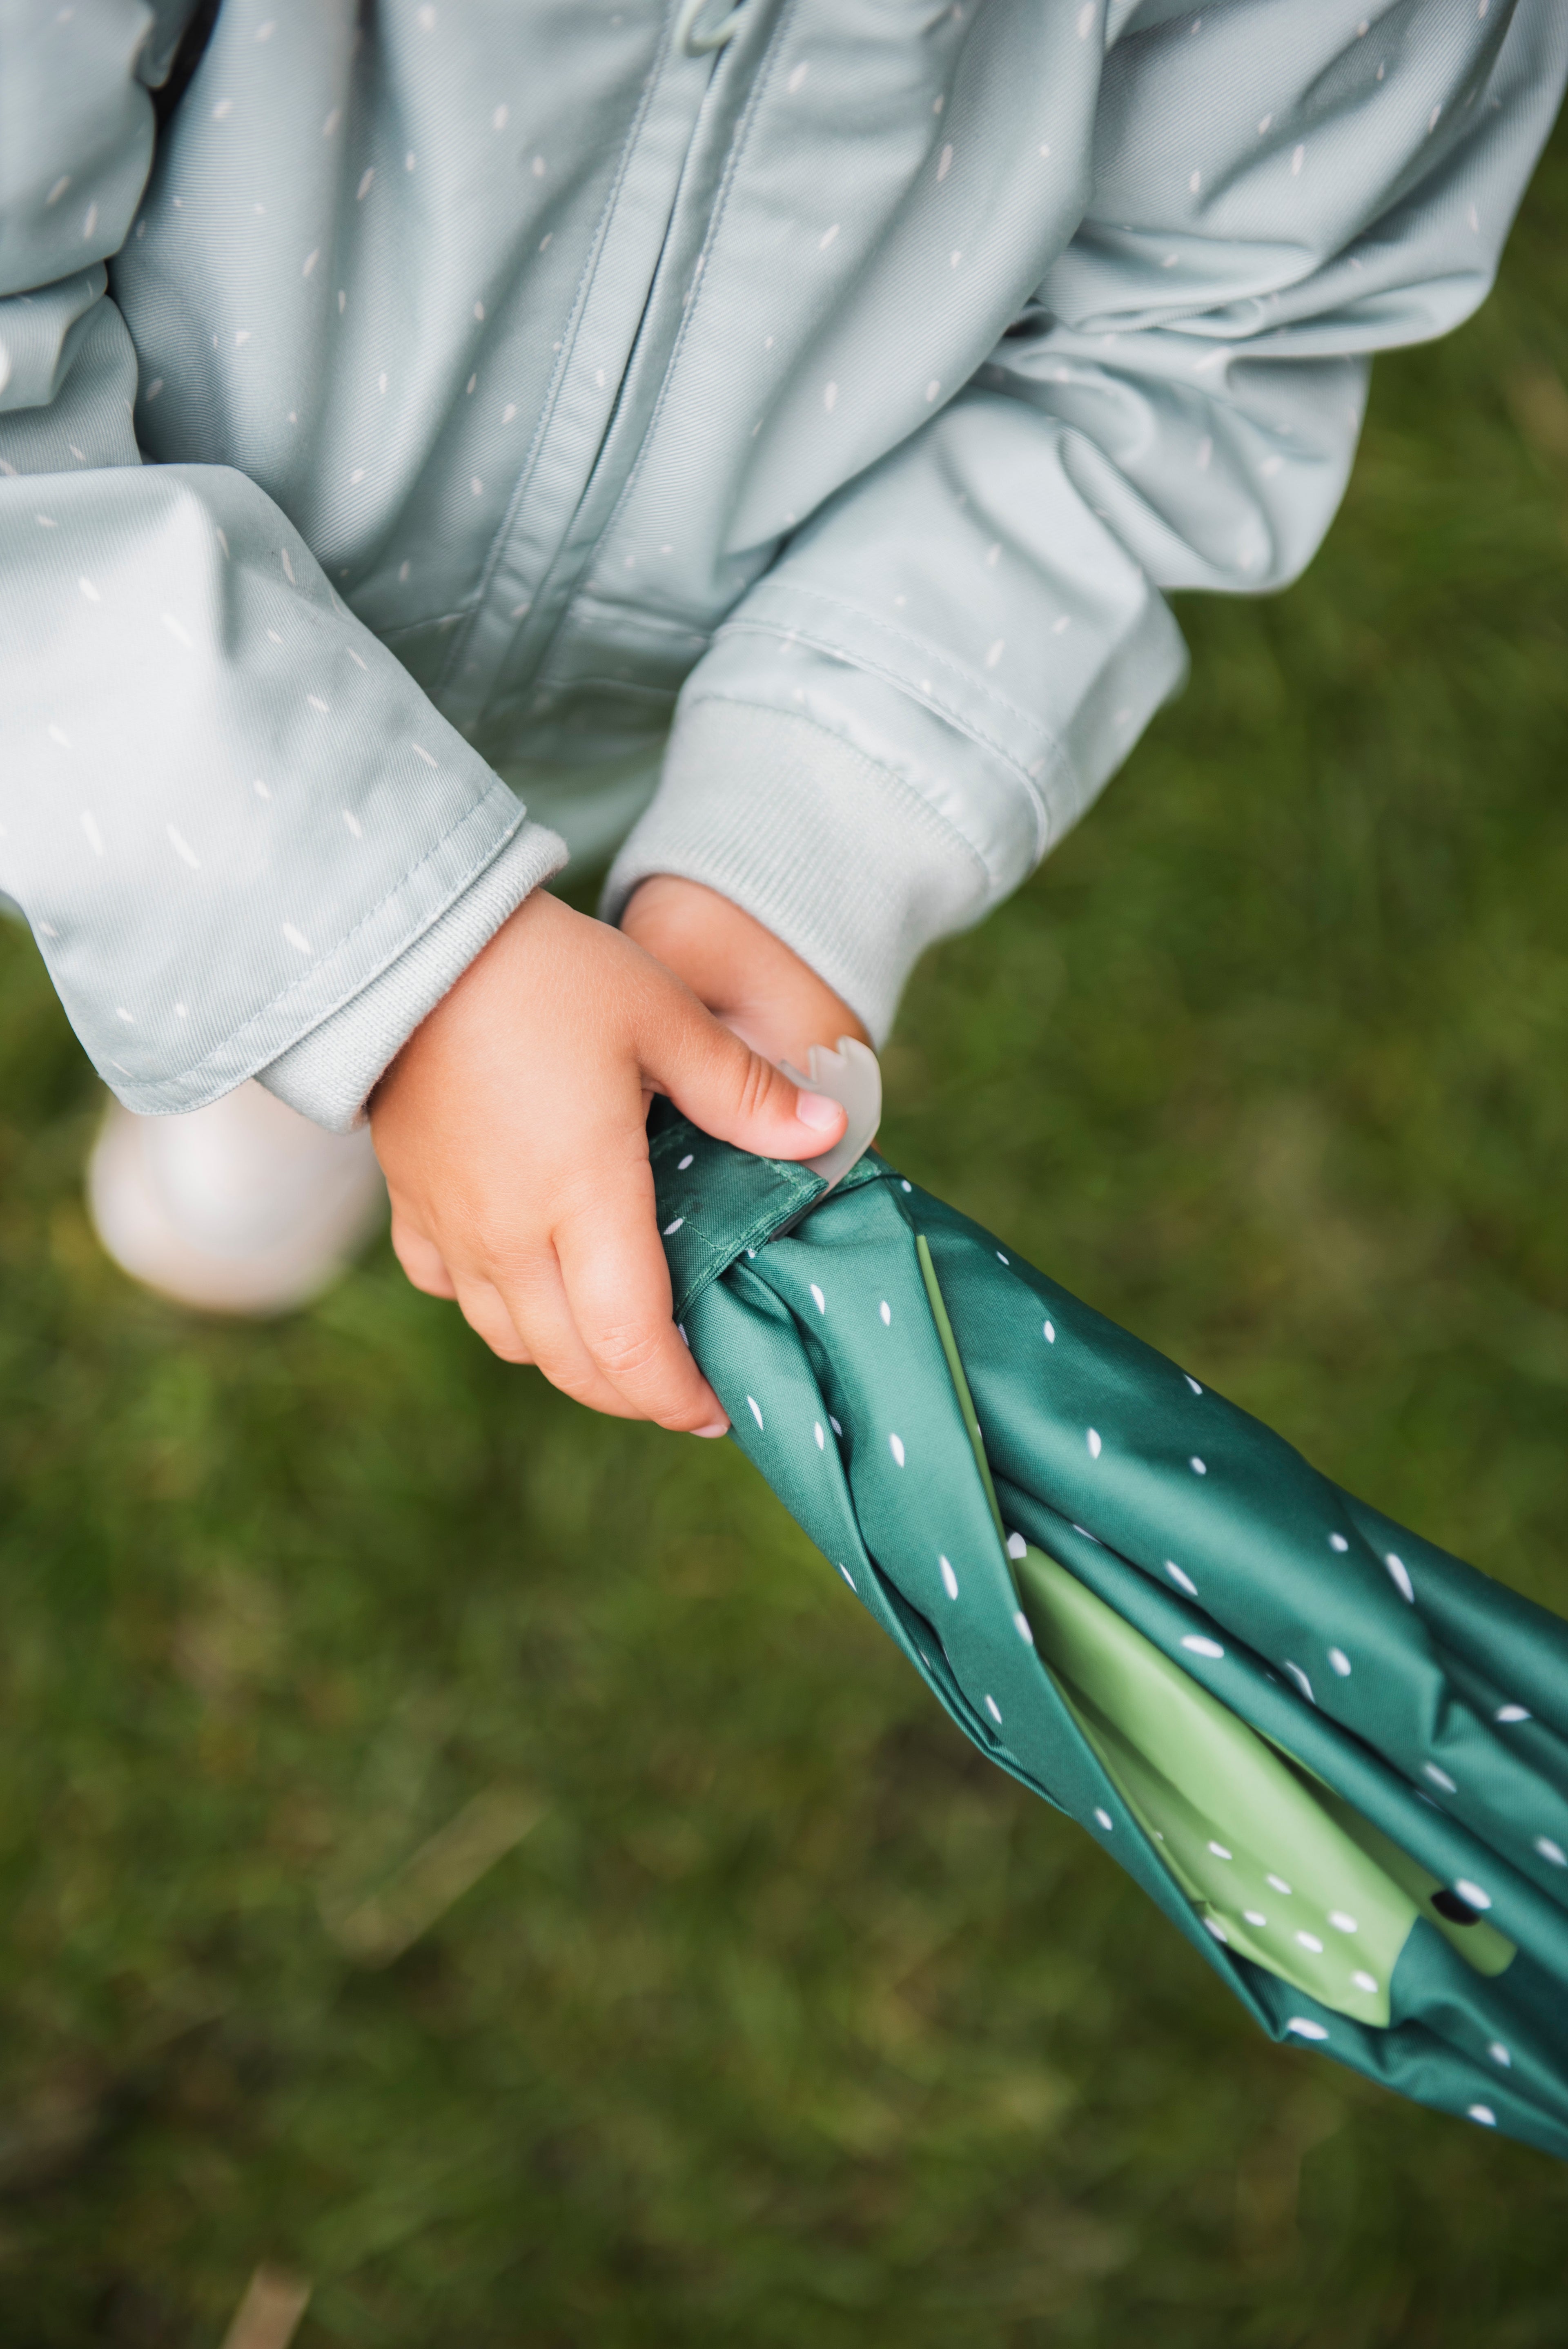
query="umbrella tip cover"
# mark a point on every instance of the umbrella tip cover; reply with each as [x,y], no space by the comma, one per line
[850,1074]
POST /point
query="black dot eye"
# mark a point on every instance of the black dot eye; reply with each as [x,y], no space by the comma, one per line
[1458,1912]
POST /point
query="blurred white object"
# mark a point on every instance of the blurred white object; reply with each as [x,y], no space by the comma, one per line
[242,1207]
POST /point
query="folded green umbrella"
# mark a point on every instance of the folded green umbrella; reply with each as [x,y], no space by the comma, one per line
[1334,1756]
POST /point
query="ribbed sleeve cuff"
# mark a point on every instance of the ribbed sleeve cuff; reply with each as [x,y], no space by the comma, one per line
[849,866]
[328,1075]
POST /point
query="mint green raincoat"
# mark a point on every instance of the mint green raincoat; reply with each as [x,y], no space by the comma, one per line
[413,413]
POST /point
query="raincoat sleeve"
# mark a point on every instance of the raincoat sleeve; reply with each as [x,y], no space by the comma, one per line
[245,842]
[944,667]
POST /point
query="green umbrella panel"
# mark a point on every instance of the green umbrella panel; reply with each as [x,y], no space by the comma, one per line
[1334,1756]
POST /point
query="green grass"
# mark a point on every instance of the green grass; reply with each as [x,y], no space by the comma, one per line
[792,2022]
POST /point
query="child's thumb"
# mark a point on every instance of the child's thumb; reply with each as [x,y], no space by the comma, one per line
[733,1093]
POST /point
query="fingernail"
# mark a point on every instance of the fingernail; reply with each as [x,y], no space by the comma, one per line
[714,1427]
[817,1111]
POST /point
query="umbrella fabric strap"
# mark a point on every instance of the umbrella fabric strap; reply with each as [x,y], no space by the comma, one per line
[717,1204]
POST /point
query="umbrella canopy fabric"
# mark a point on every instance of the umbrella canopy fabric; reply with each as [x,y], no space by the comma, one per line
[1334,1756]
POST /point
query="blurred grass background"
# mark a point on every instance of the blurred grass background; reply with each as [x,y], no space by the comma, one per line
[769,2015]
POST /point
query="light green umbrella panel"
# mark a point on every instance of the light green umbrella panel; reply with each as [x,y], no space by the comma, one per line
[1334,1756]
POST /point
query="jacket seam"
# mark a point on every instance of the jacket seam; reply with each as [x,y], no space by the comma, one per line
[412,628]
[237,1037]
[921,645]
[1039,797]
[591,263]
[738,145]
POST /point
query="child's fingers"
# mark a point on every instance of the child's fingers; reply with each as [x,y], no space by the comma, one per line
[733,1092]
[617,1286]
[484,1309]
[522,1312]
[420,1256]
[547,1342]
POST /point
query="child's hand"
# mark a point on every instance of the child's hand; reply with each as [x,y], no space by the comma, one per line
[511,1130]
[747,976]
